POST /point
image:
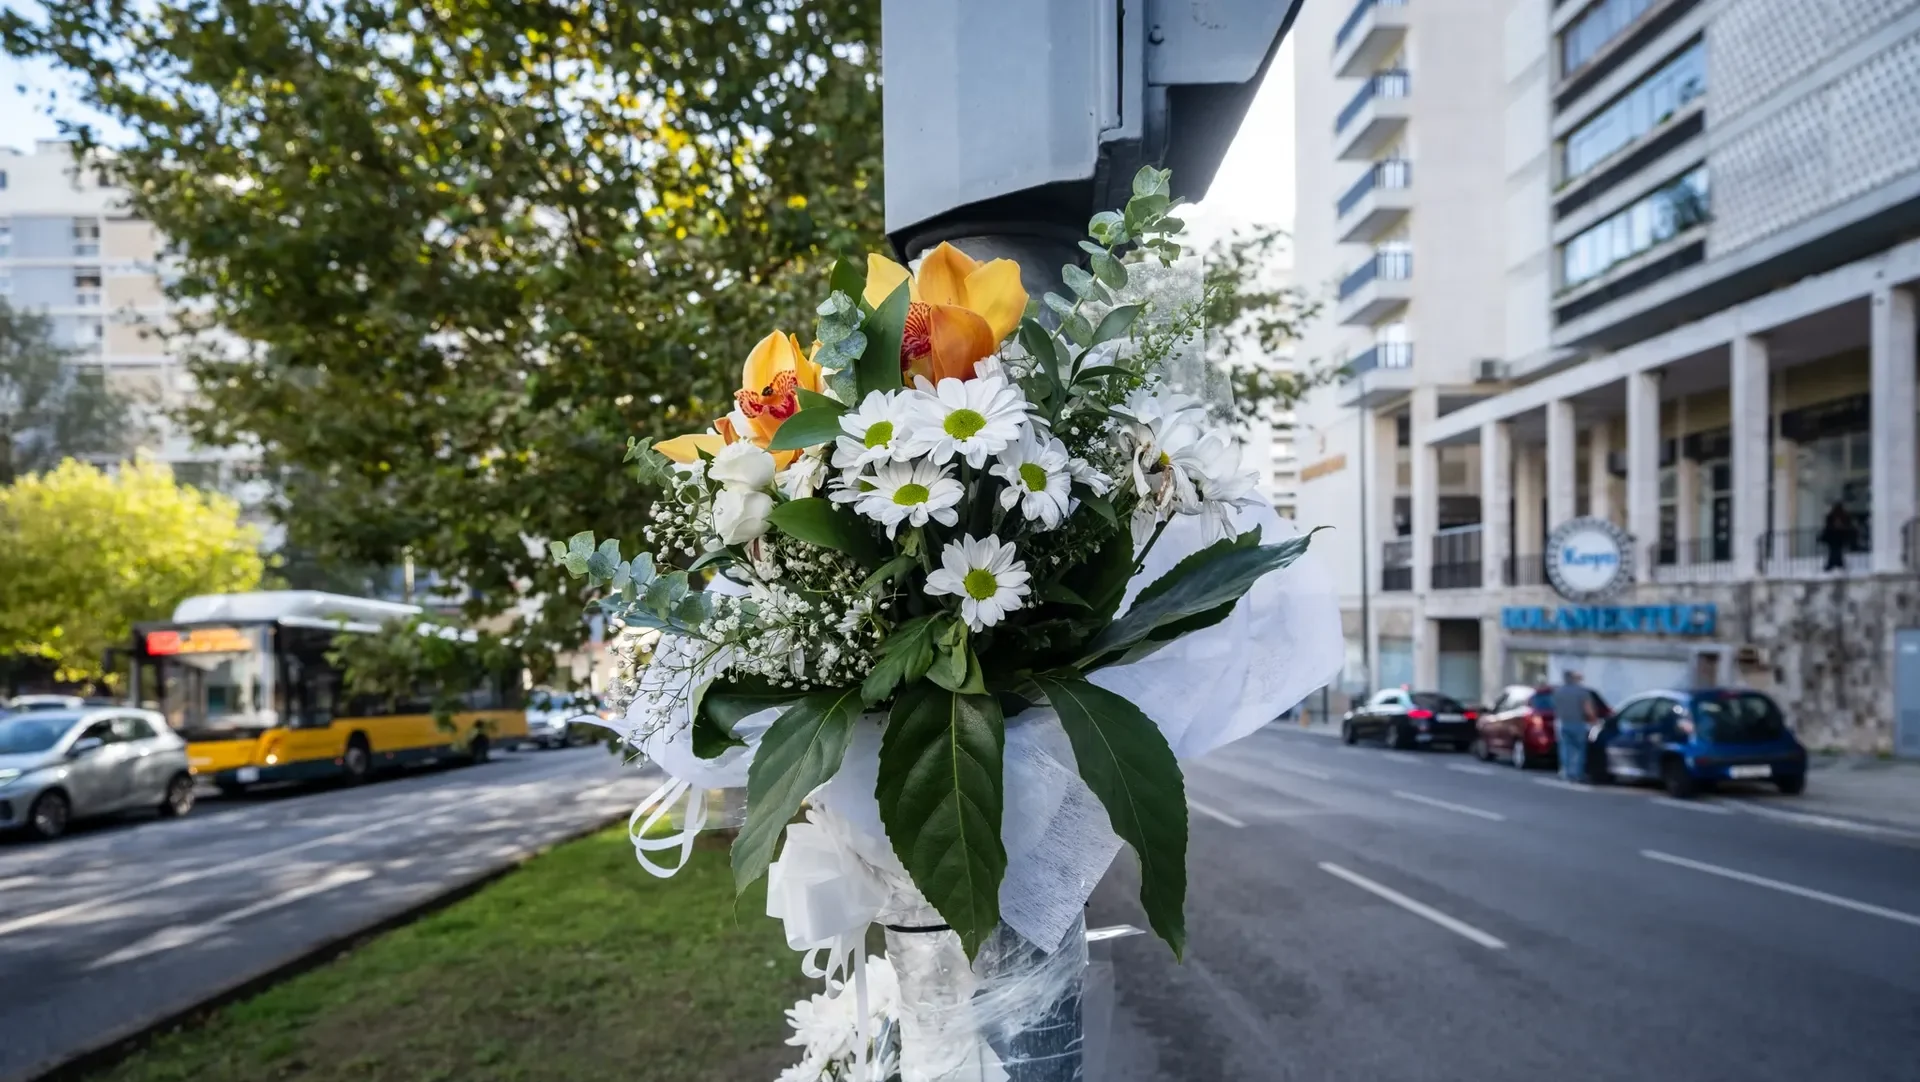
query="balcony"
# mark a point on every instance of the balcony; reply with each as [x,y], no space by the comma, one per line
[1377,201]
[1456,558]
[1372,33]
[1396,565]
[1376,289]
[1374,118]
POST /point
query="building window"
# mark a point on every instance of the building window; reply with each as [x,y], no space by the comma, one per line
[86,237]
[86,287]
[6,285]
[88,333]
[1637,112]
[6,240]
[3,180]
[1657,217]
[1834,469]
[1593,31]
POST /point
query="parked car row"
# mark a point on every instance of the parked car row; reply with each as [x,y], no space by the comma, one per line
[1682,740]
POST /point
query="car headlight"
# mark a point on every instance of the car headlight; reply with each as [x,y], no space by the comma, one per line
[7,776]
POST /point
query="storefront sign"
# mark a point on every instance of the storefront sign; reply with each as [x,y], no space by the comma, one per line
[1612,619]
[1589,559]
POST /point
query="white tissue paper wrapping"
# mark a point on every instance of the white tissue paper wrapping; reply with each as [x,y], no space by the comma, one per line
[1204,690]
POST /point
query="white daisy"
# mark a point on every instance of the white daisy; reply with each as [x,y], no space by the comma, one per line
[1223,485]
[985,575]
[910,492]
[1083,472]
[1038,480]
[974,419]
[872,432]
[805,477]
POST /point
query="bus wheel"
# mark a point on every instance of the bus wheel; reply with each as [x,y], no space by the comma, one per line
[479,751]
[358,761]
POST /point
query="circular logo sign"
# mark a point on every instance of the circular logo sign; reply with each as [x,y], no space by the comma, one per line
[1588,559]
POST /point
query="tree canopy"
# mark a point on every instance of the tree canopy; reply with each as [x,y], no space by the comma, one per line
[84,554]
[468,249]
[50,409]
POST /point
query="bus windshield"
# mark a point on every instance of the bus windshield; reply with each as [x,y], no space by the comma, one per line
[219,694]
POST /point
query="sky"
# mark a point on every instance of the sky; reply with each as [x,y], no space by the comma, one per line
[1254,184]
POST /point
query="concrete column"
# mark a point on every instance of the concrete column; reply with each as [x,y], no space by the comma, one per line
[1893,349]
[1643,469]
[1599,481]
[1560,477]
[1426,650]
[1786,491]
[1496,492]
[1686,506]
[1493,660]
[1528,490]
[1748,386]
[1425,489]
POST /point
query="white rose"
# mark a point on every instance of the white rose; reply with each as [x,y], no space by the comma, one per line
[742,465]
[739,514]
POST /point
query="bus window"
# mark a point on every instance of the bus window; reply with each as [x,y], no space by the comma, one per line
[212,695]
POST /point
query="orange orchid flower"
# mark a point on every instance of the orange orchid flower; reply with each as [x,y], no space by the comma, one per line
[959,309]
[770,385]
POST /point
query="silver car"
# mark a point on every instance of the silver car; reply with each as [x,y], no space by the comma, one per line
[57,766]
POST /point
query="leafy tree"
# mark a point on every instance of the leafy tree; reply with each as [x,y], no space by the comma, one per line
[469,249]
[49,409]
[1253,314]
[84,554]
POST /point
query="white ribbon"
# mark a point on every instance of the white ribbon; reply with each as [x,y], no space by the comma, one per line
[657,808]
[825,897]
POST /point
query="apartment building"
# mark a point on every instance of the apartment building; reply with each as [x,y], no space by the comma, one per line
[71,250]
[1705,381]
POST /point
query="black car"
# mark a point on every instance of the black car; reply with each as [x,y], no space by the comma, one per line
[1411,719]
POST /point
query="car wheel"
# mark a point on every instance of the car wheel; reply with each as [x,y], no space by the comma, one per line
[478,751]
[1519,755]
[357,763]
[50,815]
[1792,784]
[1680,784]
[1346,733]
[1393,737]
[1478,749]
[179,798]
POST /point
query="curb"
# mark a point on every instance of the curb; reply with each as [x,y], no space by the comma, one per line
[138,1035]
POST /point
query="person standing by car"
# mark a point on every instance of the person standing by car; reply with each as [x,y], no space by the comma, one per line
[1573,710]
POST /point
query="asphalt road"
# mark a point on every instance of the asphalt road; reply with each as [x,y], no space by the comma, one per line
[1355,913]
[125,922]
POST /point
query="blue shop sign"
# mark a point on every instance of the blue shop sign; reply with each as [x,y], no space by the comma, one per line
[1612,619]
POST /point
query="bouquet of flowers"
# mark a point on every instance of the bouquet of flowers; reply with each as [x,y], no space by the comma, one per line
[943,564]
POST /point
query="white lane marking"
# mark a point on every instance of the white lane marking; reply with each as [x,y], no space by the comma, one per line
[21,881]
[1469,768]
[1784,888]
[1692,805]
[1303,771]
[1448,805]
[1406,757]
[76,908]
[1214,813]
[176,936]
[1821,820]
[1420,909]
[1561,783]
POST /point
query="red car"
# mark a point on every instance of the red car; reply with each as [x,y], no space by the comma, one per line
[1520,728]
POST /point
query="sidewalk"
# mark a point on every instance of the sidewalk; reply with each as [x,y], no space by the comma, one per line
[1880,790]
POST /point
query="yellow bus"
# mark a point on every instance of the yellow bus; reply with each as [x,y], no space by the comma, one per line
[245,679]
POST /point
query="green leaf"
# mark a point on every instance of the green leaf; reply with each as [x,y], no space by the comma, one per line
[879,367]
[1045,351]
[1194,587]
[814,400]
[849,276]
[1077,328]
[1117,321]
[1109,270]
[888,571]
[1108,227]
[1102,579]
[819,521]
[709,737]
[604,562]
[1125,760]
[940,799]
[711,557]
[954,665]
[1099,505]
[1084,285]
[904,657]
[1059,304]
[729,702]
[1151,181]
[799,752]
[1061,594]
[810,427]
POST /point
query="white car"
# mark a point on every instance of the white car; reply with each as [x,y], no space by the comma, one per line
[551,714]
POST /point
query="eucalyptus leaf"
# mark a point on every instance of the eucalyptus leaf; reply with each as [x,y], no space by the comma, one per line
[940,796]
[1118,321]
[1111,272]
[849,276]
[1077,328]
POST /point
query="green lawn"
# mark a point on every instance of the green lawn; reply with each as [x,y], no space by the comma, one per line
[578,966]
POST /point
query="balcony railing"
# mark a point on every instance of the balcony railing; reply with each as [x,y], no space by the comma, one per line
[1389,174]
[1526,570]
[86,298]
[1702,559]
[1396,565]
[1389,266]
[1358,13]
[1381,84]
[1382,355]
[1813,552]
[1456,558]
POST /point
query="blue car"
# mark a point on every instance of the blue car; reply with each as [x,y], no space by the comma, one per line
[1687,740]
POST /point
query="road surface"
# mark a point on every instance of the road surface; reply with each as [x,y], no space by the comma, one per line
[119,924]
[1356,913]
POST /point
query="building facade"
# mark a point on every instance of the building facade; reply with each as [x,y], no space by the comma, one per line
[1706,275]
[71,250]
